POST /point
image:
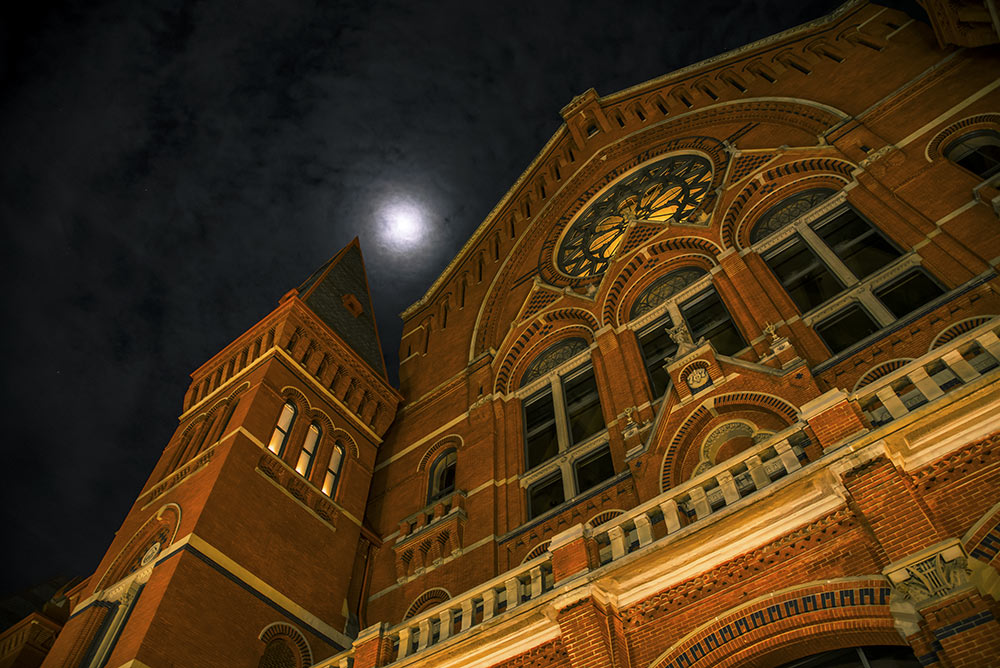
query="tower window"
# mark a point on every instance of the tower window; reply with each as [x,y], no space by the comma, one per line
[442,479]
[304,465]
[280,435]
[978,152]
[333,471]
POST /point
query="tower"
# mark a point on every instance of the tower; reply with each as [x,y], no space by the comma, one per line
[243,542]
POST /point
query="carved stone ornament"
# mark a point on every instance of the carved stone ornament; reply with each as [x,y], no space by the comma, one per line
[930,575]
[698,378]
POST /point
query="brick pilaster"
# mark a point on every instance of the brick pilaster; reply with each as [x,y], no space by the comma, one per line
[587,631]
[572,553]
[833,418]
[372,648]
[965,631]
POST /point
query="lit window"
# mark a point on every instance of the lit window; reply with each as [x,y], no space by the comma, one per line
[822,265]
[564,417]
[333,470]
[280,435]
[978,152]
[442,479]
[304,465]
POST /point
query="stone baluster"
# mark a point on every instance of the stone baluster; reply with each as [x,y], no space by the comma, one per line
[446,617]
[925,384]
[643,530]
[962,369]
[468,612]
[489,603]
[537,581]
[617,537]
[728,487]
[757,473]
[513,587]
[404,643]
[671,515]
[699,501]
[892,402]
[787,456]
[991,342]
[424,639]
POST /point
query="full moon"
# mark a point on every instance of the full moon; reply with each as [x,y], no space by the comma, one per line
[403,225]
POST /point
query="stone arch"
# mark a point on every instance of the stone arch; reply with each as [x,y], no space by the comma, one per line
[798,621]
[758,194]
[287,632]
[602,517]
[539,336]
[956,329]
[537,551]
[934,149]
[982,540]
[772,195]
[709,408]
[879,370]
[338,434]
[427,600]
[624,292]
[449,441]
[154,536]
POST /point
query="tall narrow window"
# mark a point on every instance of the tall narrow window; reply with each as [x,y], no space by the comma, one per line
[583,406]
[333,471]
[806,279]
[304,465]
[541,437]
[281,429]
[978,152]
[545,495]
[708,318]
[442,479]
[657,348]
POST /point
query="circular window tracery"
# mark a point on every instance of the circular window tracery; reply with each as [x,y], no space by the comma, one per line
[668,190]
[664,288]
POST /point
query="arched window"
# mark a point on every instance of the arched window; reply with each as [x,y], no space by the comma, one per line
[553,357]
[333,470]
[442,478]
[278,654]
[664,288]
[281,429]
[786,211]
[978,152]
[304,465]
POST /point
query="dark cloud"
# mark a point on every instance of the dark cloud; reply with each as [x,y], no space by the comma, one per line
[170,169]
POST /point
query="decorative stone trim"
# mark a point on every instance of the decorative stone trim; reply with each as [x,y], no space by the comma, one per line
[931,574]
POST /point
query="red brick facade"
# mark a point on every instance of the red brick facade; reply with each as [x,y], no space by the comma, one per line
[802,483]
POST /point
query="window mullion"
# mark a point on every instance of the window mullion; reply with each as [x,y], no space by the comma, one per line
[875,307]
[830,258]
[569,487]
[562,417]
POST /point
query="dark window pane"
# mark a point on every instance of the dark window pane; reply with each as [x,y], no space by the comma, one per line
[857,243]
[787,211]
[908,293]
[657,348]
[545,496]
[978,152]
[846,328]
[540,429]
[583,406]
[708,318]
[593,470]
[803,275]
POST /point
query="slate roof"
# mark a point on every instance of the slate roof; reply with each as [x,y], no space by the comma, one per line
[323,292]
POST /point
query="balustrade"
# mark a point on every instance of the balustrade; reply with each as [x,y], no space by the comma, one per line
[959,362]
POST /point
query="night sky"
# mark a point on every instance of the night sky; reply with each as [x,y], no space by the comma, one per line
[170,169]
